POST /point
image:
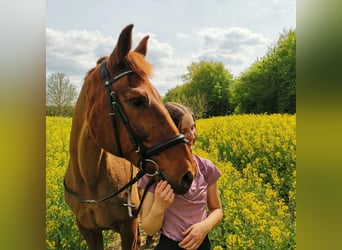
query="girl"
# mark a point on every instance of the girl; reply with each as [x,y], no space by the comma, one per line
[183,219]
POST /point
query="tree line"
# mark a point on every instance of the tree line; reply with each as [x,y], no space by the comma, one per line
[267,86]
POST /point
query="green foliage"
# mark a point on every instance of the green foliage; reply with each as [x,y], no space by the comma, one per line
[206,89]
[269,85]
[66,111]
[197,102]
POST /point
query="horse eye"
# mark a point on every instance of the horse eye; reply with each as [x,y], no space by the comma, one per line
[138,102]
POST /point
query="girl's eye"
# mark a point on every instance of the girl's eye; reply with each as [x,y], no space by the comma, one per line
[138,102]
[185,131]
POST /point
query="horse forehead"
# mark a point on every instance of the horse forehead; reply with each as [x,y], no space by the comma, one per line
[137,85]
[139,64]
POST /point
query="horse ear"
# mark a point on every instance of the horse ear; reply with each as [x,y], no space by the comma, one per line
[123,45]
[142,46]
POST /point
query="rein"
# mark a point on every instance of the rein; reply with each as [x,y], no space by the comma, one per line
[129,184]
[115,108]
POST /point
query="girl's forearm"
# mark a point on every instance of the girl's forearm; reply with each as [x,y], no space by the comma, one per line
[153,220]
[154,207]
[214,218]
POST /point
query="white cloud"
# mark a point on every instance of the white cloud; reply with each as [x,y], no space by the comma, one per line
[167,68]
[182,35]
[237,48]
[75,52]
[235,32]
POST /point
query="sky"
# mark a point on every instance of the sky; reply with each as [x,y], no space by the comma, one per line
[234,32]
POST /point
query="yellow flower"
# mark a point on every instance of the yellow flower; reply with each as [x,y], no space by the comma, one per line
[275,234]
[249,150]
[232,240]
[237,223]
[217,248]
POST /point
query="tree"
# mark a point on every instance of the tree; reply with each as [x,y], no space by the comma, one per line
[211,81]
[205,89]
[269,85]
[287,51]
[60,92]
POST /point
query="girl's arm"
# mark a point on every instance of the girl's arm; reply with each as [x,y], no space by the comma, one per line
[214,206]
[196,233]
[154,206]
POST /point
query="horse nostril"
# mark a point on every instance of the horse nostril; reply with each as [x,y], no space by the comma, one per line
[187,179]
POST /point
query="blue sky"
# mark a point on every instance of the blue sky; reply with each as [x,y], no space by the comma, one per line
[234,32]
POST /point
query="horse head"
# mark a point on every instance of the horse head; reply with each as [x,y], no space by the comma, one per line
[126,115]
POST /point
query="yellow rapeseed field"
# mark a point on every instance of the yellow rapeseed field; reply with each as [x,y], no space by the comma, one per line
[257,157]
[61,229]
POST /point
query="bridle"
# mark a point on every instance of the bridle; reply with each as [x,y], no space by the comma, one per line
[115,109]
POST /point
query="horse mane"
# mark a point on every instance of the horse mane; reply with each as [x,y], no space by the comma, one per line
[100,60]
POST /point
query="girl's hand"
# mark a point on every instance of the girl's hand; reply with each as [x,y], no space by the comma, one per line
[194,236]
[163,195]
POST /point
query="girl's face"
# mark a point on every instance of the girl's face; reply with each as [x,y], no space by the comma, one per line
[188,129]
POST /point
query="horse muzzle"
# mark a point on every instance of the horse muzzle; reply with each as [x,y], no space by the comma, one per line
[181,187]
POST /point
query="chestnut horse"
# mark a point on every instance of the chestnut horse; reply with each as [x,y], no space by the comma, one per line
[120,121]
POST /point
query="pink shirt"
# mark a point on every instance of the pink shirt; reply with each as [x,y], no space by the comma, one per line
[190,208]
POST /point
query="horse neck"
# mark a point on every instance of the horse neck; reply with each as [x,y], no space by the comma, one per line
[85,154]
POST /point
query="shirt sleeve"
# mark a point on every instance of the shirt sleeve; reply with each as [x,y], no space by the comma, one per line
[212,173]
